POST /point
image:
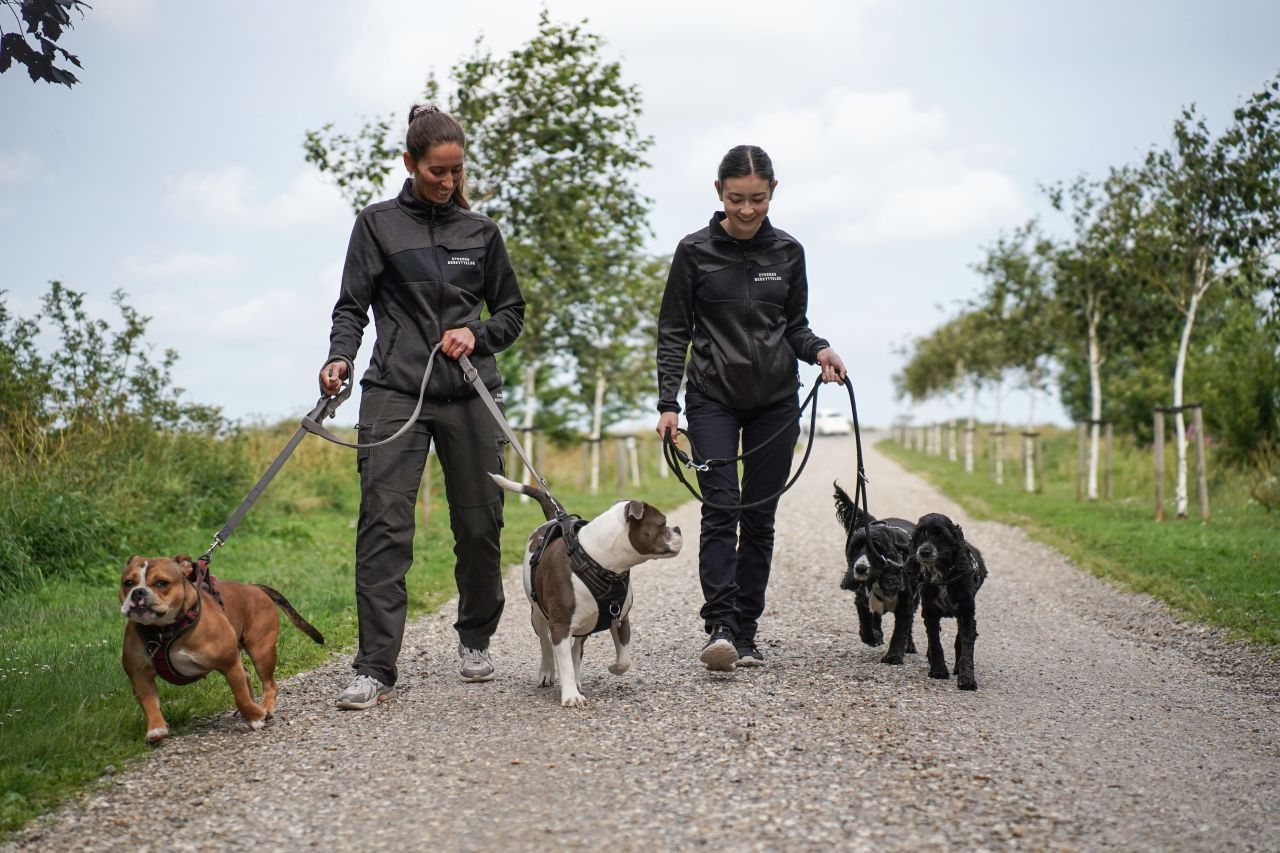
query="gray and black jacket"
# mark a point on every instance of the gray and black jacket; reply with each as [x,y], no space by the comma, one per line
[741,304]
[425,268]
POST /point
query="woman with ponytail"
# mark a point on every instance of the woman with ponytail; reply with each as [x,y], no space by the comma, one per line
[735,304]
[427,265]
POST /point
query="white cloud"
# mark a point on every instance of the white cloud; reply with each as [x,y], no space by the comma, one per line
[17,166]
[181,265]
[873,168]
[233,196]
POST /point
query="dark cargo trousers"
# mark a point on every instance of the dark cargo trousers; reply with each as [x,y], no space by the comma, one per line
[736,546]
[468,446]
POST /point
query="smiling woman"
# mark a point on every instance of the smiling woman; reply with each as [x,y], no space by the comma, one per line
[426,264]
[736,302]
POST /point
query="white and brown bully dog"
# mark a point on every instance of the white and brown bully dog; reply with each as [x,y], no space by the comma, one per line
[157,596]
[623,536]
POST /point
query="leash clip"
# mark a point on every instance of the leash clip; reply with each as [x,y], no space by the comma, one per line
[469,371]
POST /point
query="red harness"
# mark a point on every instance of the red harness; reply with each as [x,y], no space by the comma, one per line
[158,640]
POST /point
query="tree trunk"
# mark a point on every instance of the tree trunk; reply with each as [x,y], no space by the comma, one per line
[1095,401]
[1179,372]
[597,414]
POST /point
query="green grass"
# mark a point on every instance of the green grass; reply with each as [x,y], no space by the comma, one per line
[61,640]
[1223,572]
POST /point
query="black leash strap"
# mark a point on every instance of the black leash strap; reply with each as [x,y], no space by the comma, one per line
[676,457]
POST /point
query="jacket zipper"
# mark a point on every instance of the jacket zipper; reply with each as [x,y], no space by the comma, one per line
[439,292]
[751,341]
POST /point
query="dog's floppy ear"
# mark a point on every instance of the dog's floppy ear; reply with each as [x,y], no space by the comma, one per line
[635,509]
[959,532]
[901,538]
[183,560]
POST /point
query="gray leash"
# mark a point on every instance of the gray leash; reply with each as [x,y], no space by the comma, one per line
[325,408]
[472,375]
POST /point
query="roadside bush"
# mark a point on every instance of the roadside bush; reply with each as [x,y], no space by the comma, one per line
[97,448]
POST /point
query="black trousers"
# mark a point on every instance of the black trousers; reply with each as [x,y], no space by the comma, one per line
[736,547]
[468,443]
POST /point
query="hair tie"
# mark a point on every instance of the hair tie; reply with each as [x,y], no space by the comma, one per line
[421,110]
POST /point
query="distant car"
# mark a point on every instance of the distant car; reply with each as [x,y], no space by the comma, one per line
[832,423]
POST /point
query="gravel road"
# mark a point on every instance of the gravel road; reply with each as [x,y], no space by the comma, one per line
[1100,721]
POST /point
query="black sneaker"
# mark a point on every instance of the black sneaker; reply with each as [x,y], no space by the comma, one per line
[748,654]
[719,654]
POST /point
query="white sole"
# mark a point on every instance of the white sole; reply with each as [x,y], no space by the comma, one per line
[349,705]
[720,657]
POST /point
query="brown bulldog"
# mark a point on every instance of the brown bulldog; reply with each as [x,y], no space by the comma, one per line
[182,632]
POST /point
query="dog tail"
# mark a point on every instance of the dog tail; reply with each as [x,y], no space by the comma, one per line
[283,603]
[543,499]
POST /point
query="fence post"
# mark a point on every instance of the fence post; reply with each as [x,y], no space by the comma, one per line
[1157,445]
[620,456]
[1107,456]
[1039,464]
[1081,429]
[1202,482]
[634,455]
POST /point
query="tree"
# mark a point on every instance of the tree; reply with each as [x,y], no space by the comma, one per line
[1019,301]
[44,21]
[1094,283]
[1215,214]
[553,148]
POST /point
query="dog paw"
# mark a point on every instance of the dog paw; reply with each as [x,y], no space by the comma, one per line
[911,648]
[619,668]
[156,735]
[258,724]
[967,684]
[573,700]
[546,679]
[939,673]
[892,659]
[872,640]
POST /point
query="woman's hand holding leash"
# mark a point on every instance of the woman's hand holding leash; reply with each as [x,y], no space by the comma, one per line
[668,423]
[332,376]
[458,342]
[832,367]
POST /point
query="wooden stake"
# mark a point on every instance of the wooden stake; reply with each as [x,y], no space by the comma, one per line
[1202,482]
[1157,446]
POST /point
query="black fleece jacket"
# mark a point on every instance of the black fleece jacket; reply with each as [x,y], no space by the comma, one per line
[425,268]
[741,304]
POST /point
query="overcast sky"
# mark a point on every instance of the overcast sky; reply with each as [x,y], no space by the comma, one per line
[906,136]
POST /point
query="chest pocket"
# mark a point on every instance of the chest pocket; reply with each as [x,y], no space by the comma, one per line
[769,279]
[462,266]
[720,281]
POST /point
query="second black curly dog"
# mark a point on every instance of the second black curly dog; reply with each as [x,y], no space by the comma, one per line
[951,571]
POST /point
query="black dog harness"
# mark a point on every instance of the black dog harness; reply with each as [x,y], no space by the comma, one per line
[159,640]
[609,589]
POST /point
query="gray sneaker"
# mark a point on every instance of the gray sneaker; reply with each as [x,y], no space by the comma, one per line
[365,692]
[476,665]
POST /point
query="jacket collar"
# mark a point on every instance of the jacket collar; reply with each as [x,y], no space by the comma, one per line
[415,206]
[718,232]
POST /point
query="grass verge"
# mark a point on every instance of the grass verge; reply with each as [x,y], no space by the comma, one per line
[67,715]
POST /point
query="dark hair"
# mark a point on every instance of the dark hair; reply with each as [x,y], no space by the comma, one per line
[745,160]
[430,126]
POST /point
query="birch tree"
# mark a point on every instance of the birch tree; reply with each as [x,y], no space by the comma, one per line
[1215,204]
